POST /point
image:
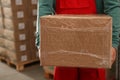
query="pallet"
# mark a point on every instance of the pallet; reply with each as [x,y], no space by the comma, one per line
[19,67]
[49,74]
[3,59]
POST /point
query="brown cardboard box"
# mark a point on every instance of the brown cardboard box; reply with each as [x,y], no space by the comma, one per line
[17,9]
[1,23]
[1,11]
[19,19]
[35,55]
[76,41]
[16,35]
[8,34]
[18,58]
[13,3]
[32,25]
[7,12]
[22,46]
[9,24]
[11,55]
[33,2]
[33,12]
[2,52]
[16,25]
[15,13]
[1,32]
[2,42]
[32,8]
[33,49]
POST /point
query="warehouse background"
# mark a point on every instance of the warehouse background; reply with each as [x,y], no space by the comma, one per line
[17,37]
[17,40]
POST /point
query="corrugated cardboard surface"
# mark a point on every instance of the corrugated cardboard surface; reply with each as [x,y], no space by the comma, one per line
[21,46]
[32,25]
[23,57]
[8,24]
[33,49]
[1,32]
[32,11]
[33,2]
[2,52]
[15,13]
[1,23]
[14,25]
[11,55]
[8,34]
[9,3]
[18,58]
[1,11]
[2,42]
[16,35]
[19,6]
[76,41]
[7,12]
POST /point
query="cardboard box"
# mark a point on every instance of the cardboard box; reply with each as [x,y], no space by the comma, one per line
[11,55]
[7,12]
[32,8]
[16,35]
[1,11]
[1,23]
[1,32]
[8,34]
[2,42]
[16,25]
[15,9]
[15,13]
[18,58]
[35,55]
[33,2]
[32,25]
[76,41]
[19,20]
[13,3]
[17,47]
[9,24]
[33,49]
[2,52]
[18,9]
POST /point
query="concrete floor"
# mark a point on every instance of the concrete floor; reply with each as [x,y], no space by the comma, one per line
[31,72]
[34,71]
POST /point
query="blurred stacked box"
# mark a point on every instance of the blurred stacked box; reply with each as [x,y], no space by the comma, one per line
[17,33]
[2,49]
[32,23]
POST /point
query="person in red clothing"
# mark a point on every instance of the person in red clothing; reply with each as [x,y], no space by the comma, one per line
[75,7]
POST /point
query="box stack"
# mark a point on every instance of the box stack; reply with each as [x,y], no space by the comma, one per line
[17,33]
[2,49]
[32,24]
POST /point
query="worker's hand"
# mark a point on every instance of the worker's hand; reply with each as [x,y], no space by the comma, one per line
[113,54]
